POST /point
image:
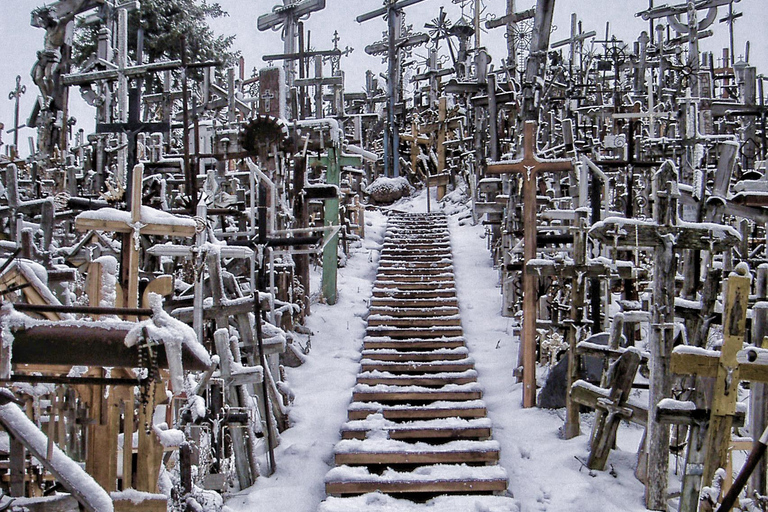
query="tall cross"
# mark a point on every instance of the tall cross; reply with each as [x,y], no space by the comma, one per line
[529,167]
[132,128]
[16,95]
[577,38]
[287,17]
[510,20]
[392,10]
[730,19]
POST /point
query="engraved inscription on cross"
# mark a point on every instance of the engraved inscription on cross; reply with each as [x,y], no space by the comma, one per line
[530,167]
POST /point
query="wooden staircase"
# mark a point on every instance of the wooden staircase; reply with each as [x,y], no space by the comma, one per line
[417,423]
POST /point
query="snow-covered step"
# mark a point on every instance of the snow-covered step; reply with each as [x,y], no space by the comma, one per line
[413,321]
[419,276]
[414,332]
[393,355]
[424,272]
[377,502]
[394,393]
[393,302]
[373,342]
[438,409]
[441,428]
[404,312]
[428,380]
[411,366]
[414,285]
[394,451]
[441,478]
[440,293]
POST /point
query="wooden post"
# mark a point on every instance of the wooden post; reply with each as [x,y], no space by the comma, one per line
[759,391]
[331,218]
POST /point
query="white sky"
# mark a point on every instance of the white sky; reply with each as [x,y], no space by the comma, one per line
[20,41]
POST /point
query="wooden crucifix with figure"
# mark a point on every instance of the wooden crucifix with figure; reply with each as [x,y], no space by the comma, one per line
[530,167]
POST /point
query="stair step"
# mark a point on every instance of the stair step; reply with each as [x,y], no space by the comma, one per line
[392,451]
[391,284]
[417,321]
[416,277]
[441,293]
[438,380]
[441,478]
[413,343]
[442,428]
[414,332]
[392,355]
[395,393]
[423,303]
[410,312]
[368,365]
[438,409]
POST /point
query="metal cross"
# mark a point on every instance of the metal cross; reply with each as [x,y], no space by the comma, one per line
[15,95]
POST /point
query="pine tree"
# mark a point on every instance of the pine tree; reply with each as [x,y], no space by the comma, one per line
[164,22]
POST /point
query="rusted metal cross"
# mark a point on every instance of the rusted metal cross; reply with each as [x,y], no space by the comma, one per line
[530,167]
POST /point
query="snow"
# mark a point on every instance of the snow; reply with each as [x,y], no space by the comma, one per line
[173,334]
[543,472]
[149,215]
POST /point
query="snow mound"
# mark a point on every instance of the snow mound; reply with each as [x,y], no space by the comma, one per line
[388,190]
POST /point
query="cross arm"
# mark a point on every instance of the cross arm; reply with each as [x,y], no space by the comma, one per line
[511,18]
[281,12]
[383,10]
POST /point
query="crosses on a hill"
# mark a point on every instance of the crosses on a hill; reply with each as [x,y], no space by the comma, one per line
[394,43]
[666,236]
[529,167]
[287,17]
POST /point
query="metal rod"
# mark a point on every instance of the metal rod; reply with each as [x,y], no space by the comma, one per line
[14,288]
[263,362]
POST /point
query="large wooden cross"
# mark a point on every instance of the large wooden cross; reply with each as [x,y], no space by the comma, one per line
[529,167]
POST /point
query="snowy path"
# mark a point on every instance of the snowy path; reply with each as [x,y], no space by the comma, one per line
[541,467]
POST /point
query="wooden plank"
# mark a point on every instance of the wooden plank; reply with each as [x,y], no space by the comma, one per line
[414,357]
[425,433]
[414,322]
[412,344]
[418,367]
[419,413]
[426,380]
[405,332]
[446,486]
[446,457]
[404,396]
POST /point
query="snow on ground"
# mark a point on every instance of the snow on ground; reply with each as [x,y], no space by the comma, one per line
[543,471]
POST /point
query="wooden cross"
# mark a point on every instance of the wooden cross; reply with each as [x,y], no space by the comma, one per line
[728,368]
[132,129]
[610,405]
[529,167]
[578,36]
[577,271]
[140,220]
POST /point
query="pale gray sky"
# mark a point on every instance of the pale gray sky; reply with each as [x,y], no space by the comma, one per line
[20,41]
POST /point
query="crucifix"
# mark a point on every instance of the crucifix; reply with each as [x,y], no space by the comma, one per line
[286,16]
[393,11]
[529,167]
[730,18]
[140,220]
[510,20]
[16,95]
